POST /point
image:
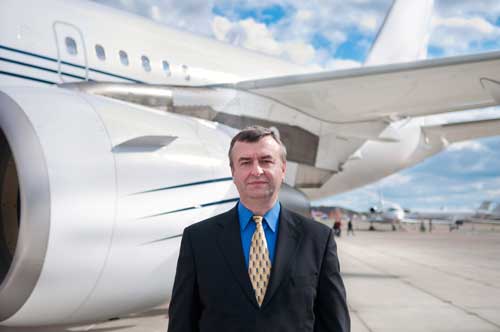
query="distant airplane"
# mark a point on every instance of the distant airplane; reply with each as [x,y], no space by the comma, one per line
[452,218]
[386,213]
[115,130]
[487,212]
[393,215]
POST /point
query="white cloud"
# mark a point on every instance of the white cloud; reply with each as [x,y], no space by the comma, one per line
[478,24]
[468,145]
[396,180]
[486,8]
[256,36]
[337,37]
[191,15]
[337,64]
[493,193]
[221,27]
[304,15]
[299,52]
[463,26]
[459,34]
[369,23]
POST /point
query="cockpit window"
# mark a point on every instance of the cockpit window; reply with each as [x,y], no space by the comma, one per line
[100,52]
[123,57]
[71,45]
[145,63]
[166,67]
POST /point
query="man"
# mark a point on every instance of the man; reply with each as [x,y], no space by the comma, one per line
[259,266]
[350,229]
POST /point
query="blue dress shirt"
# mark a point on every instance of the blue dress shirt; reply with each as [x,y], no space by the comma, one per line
[247,228]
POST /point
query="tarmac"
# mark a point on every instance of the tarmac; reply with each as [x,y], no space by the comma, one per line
[396,281]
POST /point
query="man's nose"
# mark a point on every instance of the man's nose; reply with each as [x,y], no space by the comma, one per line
[256,169]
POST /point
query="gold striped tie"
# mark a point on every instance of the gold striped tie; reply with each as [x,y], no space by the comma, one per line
[259,265]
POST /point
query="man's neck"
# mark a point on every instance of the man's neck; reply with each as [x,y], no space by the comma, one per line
[259,207]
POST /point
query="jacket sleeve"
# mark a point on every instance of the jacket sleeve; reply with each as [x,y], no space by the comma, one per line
[185,307]
[330,308]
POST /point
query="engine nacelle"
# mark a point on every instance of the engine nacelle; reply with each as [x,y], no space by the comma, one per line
[94,202]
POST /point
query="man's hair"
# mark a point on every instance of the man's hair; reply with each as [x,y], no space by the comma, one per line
[254,134]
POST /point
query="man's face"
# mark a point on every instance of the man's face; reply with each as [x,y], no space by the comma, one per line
[257,169]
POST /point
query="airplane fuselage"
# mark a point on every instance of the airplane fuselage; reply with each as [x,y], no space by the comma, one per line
[76,40]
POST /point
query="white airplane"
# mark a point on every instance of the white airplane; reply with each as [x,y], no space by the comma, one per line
[392,214]
[442,216]
[386,213]
[114,137]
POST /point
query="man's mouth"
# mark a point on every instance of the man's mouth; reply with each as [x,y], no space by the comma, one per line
[257,183]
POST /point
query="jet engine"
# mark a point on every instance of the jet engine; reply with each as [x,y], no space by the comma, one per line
[95,195]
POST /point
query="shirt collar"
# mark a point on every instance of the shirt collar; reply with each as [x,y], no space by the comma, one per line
[271,217]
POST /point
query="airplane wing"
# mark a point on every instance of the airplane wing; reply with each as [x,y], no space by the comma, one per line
[390,91]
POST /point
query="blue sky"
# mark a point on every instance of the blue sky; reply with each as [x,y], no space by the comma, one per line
[337,34]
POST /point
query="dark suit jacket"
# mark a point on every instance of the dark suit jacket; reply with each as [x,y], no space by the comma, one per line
[212,290]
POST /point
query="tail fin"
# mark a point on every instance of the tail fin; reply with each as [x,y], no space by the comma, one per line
[404,34]
[484,207]
[496,211]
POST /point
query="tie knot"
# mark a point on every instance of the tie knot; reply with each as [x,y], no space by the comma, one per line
[257,219]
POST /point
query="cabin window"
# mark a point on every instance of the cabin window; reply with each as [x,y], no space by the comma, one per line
[166,67]
[71,45]
[100,52]
[145,63]
[123,58]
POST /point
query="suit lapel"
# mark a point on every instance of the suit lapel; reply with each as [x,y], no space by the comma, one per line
[229,241]
[289,237]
